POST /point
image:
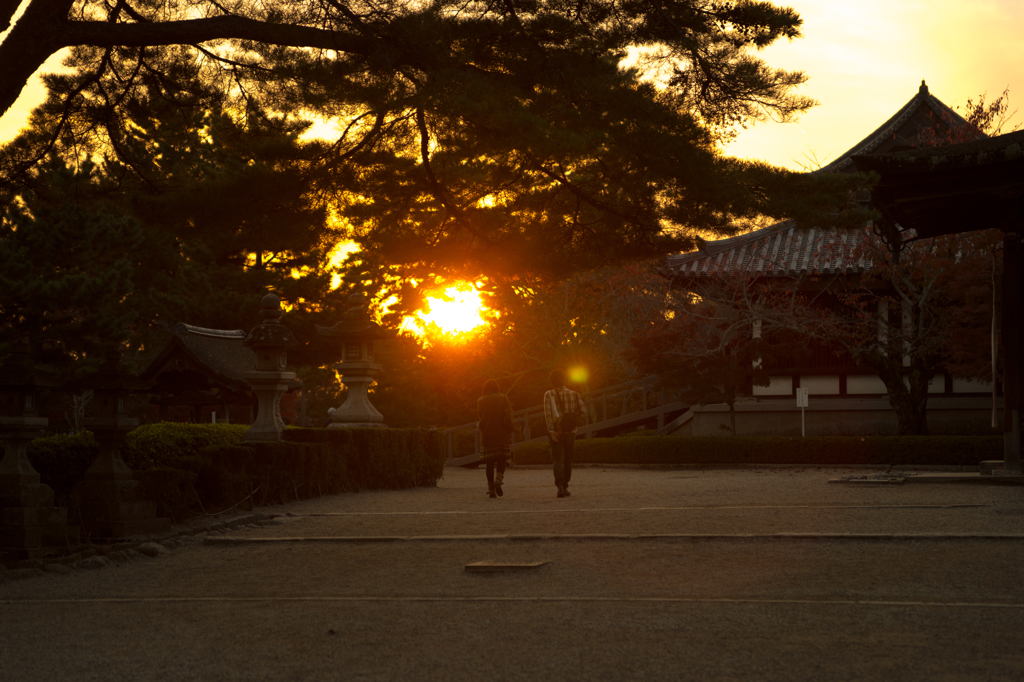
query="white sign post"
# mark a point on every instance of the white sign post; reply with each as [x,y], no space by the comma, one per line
[801,402]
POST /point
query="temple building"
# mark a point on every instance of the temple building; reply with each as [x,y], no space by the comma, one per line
[203,370]
[844,398]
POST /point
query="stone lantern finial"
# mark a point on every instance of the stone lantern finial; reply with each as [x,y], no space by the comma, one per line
[270,309]
[356,308]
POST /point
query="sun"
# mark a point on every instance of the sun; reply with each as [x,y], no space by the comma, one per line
[457,311]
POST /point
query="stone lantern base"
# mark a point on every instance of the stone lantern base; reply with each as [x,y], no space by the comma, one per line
[357,411]
[109,499]
[30,526]
[269,387]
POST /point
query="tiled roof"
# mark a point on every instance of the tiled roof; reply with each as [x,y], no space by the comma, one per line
[220,351]
[782,250]
[901,131]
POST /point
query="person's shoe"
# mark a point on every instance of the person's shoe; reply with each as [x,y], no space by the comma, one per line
[565,489]
[490,490]
[498,480]
[561,491]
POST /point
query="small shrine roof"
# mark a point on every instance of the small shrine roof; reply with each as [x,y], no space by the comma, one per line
[219,351]
[782,250]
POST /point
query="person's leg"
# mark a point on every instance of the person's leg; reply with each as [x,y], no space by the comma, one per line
[499,477]
[569,446]
[557,463]
[490,478]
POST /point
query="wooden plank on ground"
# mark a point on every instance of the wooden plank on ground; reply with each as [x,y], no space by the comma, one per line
[501,566]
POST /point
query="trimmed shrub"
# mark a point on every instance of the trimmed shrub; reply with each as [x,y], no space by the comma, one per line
[821,450]
[63,460]
[173,444]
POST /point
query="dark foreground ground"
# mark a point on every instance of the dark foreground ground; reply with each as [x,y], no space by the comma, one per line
[929,587]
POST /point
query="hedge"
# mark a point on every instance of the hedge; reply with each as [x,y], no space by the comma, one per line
[381,458]
[190,468]
[172,444]
[821,450]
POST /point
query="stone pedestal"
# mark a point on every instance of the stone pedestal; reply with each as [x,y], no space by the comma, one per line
[30,525]
[270,341]
[268,386]
[357,411]
[109,499]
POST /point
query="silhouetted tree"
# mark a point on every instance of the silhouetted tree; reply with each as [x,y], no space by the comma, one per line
[471,138]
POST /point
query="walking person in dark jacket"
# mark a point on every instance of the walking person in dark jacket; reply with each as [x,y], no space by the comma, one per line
[563,410]
[495,414]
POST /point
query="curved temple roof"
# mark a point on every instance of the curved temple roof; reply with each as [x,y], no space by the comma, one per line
[782,250]
[786,250]
[219,352]
[902,131]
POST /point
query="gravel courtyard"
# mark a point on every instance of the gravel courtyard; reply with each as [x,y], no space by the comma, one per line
[655,575]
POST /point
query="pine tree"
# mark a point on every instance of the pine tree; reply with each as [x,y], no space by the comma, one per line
[473,138]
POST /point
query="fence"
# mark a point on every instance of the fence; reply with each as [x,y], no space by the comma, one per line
[609,410]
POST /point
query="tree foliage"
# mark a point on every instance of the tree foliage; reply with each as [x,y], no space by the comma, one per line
[469,138]
[168,210]
[67,266]
[712,341]
[520,143]
[905,319]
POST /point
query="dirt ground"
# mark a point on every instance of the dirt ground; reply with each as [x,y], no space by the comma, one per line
[348,588]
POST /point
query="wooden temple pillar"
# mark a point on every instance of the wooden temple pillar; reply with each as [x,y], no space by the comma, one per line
[1013,281]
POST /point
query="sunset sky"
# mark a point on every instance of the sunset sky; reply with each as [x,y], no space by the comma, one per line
[865,60]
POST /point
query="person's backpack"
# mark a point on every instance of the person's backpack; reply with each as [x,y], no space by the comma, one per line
[567,422]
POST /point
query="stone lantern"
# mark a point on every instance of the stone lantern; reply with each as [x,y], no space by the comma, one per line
[270,341]
[355,335]
[110,499]
[29,521]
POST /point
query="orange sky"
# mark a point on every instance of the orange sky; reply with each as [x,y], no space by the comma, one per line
[866,58]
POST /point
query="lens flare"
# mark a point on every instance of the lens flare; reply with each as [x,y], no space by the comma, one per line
[578,375]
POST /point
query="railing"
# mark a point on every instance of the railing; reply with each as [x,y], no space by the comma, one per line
[608,409]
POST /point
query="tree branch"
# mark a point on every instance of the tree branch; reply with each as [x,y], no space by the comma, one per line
[44,29]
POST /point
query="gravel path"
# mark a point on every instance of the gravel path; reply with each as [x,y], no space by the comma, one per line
[598,609]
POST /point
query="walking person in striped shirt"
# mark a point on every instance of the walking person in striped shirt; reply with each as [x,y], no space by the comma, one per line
[563,411]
